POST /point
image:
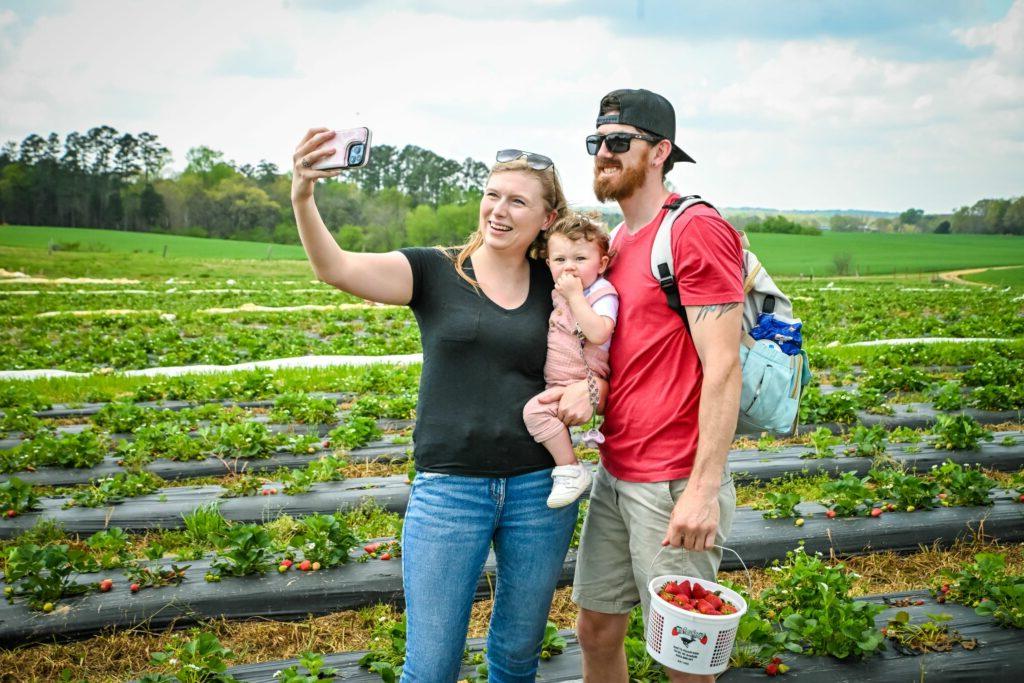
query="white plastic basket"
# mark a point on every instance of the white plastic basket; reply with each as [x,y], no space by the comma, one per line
[689,641]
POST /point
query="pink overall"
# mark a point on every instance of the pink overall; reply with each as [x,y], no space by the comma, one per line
[564,365]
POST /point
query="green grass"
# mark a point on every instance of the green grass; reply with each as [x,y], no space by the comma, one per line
[1011,277]
[883,254]
[92,240]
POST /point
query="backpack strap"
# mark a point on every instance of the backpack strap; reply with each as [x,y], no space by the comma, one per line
[662,266]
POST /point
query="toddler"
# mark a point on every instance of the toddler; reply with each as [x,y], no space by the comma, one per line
[576,250]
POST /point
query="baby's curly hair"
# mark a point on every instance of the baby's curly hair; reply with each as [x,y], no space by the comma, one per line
[574,226]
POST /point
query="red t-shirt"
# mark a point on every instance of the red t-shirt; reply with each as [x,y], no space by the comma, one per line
[650,421]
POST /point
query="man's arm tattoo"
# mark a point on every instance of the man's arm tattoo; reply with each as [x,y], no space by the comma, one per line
[722,309]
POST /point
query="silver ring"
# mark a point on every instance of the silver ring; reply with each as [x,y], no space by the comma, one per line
[306,163]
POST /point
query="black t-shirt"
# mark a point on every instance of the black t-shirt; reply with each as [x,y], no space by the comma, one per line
[481,364]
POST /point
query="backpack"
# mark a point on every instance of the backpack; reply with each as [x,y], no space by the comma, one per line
[773,380]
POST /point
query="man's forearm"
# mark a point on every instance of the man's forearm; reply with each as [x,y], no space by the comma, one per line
[717,415]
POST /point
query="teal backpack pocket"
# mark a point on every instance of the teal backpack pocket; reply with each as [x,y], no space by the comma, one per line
[771,388]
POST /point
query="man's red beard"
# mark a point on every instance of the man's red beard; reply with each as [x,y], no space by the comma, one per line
[620,186]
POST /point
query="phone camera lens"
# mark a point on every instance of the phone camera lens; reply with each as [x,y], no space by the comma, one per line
[355,154]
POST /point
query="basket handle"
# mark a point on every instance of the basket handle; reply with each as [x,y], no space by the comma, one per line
[750,581]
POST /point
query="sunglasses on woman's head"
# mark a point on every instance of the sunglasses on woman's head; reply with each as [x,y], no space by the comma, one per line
[617,142]
[537,162]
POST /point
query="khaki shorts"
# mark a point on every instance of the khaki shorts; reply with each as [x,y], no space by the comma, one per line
[622,535]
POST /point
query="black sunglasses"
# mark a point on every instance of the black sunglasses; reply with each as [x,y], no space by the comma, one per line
[617,142]
[537,162]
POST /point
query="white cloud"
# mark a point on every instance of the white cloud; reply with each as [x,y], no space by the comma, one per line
[795,123]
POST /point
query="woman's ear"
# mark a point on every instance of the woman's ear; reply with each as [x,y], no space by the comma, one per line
[549,221]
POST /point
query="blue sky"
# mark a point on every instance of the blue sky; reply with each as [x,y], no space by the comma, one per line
[798,104]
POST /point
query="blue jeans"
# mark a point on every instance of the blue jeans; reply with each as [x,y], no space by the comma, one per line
[449,527]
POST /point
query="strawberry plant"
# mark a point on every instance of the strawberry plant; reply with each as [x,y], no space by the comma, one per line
[553,643]
[963,485]
[811,600]
[947,396]
[15,394]
[241,486]
[205,524]
[959,432]
[324,468]
[301,444]
[85,449]
[767,444]
[782,505]
[326,539]
[296,406]
[907,491]
[115,488]
[123,417]
[16,497]
[242,440]
[43,575]
[839,406]
[867,442]
[200,659]
[847,496]
[822,441]
[400,406]
[108,546]
[986,585]
[995,397]
[314,670]
[246,550]
[140,576]
[901,378]
[993,371]
[356,431]
[21,419]
[904,435]
[934,635]
[386,654]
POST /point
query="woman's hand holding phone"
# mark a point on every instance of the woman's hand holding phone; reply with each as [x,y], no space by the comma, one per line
[308,153]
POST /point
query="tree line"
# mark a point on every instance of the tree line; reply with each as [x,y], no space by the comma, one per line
[104,178]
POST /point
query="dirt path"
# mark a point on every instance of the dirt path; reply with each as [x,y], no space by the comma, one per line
[954,275]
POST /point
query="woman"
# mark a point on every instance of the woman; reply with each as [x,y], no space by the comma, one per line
[483,312]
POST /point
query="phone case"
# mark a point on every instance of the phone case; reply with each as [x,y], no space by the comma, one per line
[343,142]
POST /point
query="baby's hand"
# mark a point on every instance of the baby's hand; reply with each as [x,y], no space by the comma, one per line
[569,286]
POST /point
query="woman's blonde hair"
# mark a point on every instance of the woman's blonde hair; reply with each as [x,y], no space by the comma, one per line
[554,200]
[577,226]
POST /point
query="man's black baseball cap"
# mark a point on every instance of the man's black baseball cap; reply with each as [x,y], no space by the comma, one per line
[648,111]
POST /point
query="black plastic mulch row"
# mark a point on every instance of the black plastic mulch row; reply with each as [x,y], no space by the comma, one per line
[293,595]
[745,465]
[915,416]
[62,411]
[997,657]
[172,470]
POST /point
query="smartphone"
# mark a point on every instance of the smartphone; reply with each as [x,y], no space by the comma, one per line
[351,150]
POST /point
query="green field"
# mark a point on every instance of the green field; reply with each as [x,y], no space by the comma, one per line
[882,254]
[92,240]
[1011,277]
[109,252]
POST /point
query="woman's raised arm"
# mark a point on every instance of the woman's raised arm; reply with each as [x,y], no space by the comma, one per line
[386,278]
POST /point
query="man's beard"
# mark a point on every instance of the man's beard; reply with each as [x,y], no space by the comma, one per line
[620,186]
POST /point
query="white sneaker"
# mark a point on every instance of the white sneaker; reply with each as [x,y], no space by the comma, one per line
[570,481]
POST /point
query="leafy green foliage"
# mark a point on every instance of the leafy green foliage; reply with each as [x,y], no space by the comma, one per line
[247,549]
[986,585]
[114,489]
[123,417]
[848,495]
[297,406]
[822,441]
[839,406]
[44,575]
[781,505]
[199,659]
[964,485]
[356,431]
[241,440]
[959,432]
[156,577]
[907,491]
[205,524]
[85,449]
[386,653]
[947,396]
[325,539]
[324,468]
[313,664]
[868,442]
[18,496]
[811,600]
[887,380]
[108,546]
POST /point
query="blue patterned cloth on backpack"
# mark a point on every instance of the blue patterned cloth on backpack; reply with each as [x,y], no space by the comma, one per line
[787,335]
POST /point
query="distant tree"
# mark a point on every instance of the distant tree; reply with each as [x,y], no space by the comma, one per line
[911,216]
[942,228]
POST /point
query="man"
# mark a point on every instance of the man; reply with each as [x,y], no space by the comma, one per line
[672,409]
